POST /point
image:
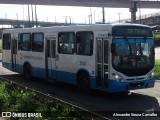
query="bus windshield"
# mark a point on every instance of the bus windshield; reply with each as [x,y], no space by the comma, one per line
[133,56]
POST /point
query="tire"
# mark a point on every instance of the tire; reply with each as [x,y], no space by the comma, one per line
[27,72]
[83,82]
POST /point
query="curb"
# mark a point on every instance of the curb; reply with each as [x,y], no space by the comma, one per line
[157,80]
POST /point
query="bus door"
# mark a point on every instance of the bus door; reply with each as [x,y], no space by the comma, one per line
[102,63]
[14,53]
[50,58]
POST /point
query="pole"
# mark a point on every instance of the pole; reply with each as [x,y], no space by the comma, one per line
[32,15]
[133,11]
[23,12]
[91,15]
[140,15]
[29,17]
[119,14]
[103,15]
[36,16]
[89,19]
[70,20]
[17,19]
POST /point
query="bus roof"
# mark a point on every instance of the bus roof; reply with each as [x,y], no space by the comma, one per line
[98,27]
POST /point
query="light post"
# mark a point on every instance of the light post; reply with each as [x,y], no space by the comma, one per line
[119,14]
[5,15]
[103,15]
[89,17]
[66,19]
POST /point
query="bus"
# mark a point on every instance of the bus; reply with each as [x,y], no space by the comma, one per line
[107,57]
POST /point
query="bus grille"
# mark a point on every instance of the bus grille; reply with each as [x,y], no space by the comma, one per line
[134,79]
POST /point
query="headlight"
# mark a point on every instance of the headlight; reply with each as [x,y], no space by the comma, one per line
[118,77]
[151,75]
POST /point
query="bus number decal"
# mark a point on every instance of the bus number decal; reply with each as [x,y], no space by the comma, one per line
[103,34]
[82,63]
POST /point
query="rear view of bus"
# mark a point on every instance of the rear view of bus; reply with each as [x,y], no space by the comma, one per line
[132,58]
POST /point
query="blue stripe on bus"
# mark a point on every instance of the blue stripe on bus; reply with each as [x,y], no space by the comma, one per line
[116,86]
[66,77]
[7,65]
[61,76]
[19,68]
[41,73]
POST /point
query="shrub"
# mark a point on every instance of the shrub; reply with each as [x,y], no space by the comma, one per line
[13,99]
[157,69]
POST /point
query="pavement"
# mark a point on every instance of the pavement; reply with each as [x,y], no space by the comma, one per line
[157,53]
[1,118]
[0,56]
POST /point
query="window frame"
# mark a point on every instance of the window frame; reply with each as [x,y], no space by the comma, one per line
[92,43]
[9,41]
[22,42]
[73,42]
[32,42]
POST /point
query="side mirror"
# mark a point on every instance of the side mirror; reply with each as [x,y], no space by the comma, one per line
[113,48]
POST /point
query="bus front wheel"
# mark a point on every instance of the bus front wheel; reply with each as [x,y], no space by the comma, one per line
[83,82]
[27,72]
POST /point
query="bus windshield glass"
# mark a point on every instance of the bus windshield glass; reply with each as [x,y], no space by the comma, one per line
[132,31]
[133,56]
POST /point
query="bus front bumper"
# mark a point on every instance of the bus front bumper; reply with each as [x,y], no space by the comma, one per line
[117,86]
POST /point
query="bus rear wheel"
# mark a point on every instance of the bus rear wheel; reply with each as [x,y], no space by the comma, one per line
[27,72]
[83,82]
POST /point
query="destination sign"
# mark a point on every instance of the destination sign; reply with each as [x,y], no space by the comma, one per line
[136,31]
[133,31]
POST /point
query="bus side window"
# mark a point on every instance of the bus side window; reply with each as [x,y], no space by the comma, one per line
[26,41]
[38,42]
[6,41]
[84,43]
[66,42]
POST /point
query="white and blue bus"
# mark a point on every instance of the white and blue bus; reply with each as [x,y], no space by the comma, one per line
[114,58]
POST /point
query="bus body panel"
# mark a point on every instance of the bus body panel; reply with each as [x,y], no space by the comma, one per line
[50,64]
[116,86]
[6,57]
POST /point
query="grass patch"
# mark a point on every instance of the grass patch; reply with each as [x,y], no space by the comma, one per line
[15,100]
[157,69]
[156,35]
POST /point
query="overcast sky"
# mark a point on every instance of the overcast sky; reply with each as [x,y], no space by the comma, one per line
[59,13]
